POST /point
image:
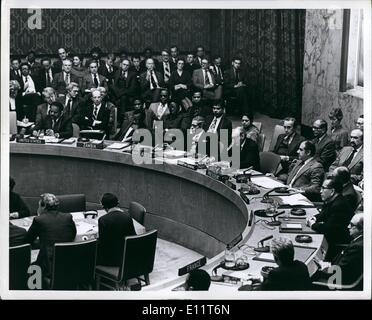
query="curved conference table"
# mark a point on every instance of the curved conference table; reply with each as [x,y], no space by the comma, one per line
[187,207]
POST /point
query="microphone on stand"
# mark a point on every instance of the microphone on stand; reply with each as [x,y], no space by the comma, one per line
[260,247]
[275,222]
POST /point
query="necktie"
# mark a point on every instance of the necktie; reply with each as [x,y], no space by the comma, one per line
[26,79]
[48,79]
[237,78]
[96,80]
[67,78]
[220,72]
[207,82]
[166,72]
[350,158]
[95,112]
[295,176]
[53,123]
[68,106]
[152,80]
[212,127]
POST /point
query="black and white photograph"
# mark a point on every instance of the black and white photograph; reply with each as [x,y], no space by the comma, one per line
[199,150]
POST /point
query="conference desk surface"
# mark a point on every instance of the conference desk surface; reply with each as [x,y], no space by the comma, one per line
[185,206]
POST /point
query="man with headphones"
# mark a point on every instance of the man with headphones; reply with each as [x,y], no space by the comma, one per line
[51,226]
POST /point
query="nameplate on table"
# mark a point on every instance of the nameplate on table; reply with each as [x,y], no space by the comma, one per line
[192,266]
[187,164]
[217,176]
[230,184]
[91,145]
[30,140]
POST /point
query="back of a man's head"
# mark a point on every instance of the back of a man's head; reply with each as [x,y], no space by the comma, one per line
[109,201]
[198,280]
[283,251]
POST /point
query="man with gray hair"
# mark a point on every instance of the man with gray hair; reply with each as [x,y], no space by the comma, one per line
[51,226]
[43,109]
[72,102]
[62,79]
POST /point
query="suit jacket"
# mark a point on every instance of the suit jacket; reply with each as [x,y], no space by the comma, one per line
[229,79]
[340,136]
[127,123]
[106,73]
[41,112]
[16,204]
[175,78]
[172,67]
[86,111]
[51,227]
[332,221]
[113,227]
[285,278]
[325,151]
[250,155]
[143,65]
[127,87]
[145,84]
[41,80]
[151,114]
[13,75]
[309,178]
[57,66]
[225,123]
[350,194]
[355,166]
[59,83]
[74,112]
[292,147]
[88,83]
[198,78]
[16,235]
[63,125]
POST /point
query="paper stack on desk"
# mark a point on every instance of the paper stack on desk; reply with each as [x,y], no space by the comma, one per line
[266,182]
[118,145]
[295,200]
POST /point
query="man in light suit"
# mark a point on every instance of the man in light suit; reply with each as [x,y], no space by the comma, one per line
[307,173]
[93,79]
[352,156]
[71,102]
[325,146]
[203,79]
[63,79]
[158,111]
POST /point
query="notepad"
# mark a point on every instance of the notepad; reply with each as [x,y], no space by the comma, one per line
[265,256]
[292,226]
[118,145]
[68,141]
[266,182]
[295,200]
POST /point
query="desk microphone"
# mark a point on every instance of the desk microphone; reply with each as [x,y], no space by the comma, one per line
[265,197]
[275,222]
[260,247]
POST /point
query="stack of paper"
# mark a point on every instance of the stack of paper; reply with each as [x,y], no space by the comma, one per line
[266,182]
[295,200]
[118,145]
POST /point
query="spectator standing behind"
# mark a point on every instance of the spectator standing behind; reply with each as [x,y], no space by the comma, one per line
[17,207]
[339,135]
[113,227]
[57,65]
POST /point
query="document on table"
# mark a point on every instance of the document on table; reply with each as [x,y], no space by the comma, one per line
[118,145]
[84,227]
[295,200]
[265,256]
[266,182]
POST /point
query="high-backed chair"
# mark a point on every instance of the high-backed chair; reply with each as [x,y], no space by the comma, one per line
[258,125]
[74,265]
[261,142]
[269,162]
[19,261]
[75,130]
[278,129]
[137,212]
[138,260]
[72,202]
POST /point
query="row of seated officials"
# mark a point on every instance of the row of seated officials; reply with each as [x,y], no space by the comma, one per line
[130,79]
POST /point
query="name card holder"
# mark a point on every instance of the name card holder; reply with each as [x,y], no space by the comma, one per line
[90,145]
[30,140]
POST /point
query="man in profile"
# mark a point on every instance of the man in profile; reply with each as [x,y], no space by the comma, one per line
[113,227]
[325,146]
[17,207]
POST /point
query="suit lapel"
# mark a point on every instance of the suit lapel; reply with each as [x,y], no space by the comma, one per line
[293,143]
[293,172]
[304,168]
[357,158]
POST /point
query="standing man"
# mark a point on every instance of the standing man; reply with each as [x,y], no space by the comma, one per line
[46,75]
[15,71]
[63,79]
[108,69]
[57,65]
[71,102]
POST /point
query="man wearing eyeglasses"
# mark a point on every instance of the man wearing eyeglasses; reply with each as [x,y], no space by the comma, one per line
[352,156]
[325,146]
[334,218]
[166,66]
[350,260]
[124,89]
[151,82]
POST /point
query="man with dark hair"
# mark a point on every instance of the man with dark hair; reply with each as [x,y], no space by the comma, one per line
[17,207]
[93,79]
[199,107]
[306,174]
[34,66]
[51,226]
[360,122]
[325,146]
[56,123]
[95,55]
[190,64]
[287,144]
[352,156]
[130,125]
[339,135]
[113,227]
[216,68]
[57,65]
[174,54]
[158,111]
[334,217]
[199,55]
[62,79]
[136,60]
[108,69]
[46,74]
[198,280]
[15,71]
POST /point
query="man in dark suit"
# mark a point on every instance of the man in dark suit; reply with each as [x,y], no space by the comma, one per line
[147,54]
[199,55]
[93,79]
[203,79]
[350,260]
[43,109]
[174,52]
[17,207]
[151,82]
[56,123]
[16,235]
[45,76]
[113,227]
[95,55]
[108,69]
[306,174]
[71,102]
[95,115]
[334,217]
[352,156]
[190,64]
[63,79]
[130,125]
[249,153]
[287,144]
[166,67]
[135,67]
[15,71]
[57,65]
[325,146]
[34,65]
[235,85]
[216,68]
[124,89]
[51,226]
[290,275]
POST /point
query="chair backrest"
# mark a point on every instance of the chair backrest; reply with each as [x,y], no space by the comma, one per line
[75,130]
[114,120]
[261,142]
[72,202]
[139,255]
[258,125]
[278,129]
[12,122]
[73,265]
[269,162]
[137,212]
[19,261]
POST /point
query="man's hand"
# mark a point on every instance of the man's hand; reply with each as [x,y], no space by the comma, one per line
[95,122]
[56,135]
[35,133]
[310,221]
[14,215]
[284,158]
[49,132]
[208,86]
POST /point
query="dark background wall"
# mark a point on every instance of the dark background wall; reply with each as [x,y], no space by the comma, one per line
[271,42]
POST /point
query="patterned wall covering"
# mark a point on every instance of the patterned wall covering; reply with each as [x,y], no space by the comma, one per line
[269,41]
